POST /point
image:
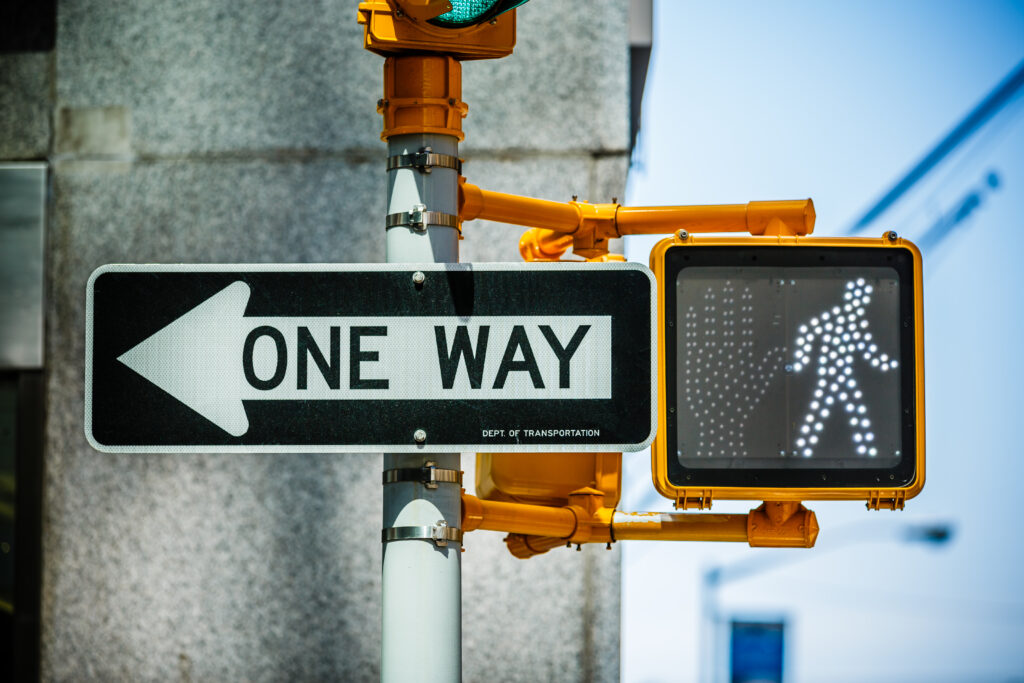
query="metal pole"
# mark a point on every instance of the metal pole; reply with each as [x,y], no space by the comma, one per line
[421,589]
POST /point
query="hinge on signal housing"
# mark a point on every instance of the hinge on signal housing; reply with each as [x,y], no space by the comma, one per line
[690,499]
[887,500]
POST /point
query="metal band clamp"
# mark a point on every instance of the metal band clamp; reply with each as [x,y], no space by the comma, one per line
[439,533]
[424,160]
[419,218]
[430,475]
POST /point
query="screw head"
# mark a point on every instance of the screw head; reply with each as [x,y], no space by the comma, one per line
[419,436]
[418,278]
[682,235]
[891,236]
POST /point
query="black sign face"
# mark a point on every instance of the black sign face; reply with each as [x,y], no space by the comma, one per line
[334,358]
[790,366]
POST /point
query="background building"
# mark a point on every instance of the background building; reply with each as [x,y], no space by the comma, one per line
[218,131]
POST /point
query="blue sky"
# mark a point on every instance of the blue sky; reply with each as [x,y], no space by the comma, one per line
[752,101]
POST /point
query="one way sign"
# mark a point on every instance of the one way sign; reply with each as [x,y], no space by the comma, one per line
[284,358]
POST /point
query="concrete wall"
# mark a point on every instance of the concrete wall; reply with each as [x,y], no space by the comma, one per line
[218,131]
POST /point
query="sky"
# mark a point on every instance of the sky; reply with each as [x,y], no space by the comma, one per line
[755,101]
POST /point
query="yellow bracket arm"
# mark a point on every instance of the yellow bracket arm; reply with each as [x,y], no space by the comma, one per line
[535,529]
[587,227]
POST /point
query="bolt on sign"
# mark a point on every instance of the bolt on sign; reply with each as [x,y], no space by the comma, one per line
[432,357]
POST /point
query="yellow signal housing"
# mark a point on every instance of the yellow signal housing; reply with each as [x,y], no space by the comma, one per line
[400,28]
[547,478]
[790,368]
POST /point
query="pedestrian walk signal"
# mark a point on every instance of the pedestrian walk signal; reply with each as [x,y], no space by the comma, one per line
[790,369]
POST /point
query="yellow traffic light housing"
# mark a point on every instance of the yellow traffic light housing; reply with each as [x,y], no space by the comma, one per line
[398,27]
[547,478]
[790,369]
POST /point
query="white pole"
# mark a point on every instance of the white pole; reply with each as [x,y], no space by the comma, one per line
[421,591]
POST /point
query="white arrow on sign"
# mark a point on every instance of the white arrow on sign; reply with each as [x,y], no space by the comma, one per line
[213,358]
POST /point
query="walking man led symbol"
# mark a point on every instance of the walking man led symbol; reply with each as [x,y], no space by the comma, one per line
[838,336]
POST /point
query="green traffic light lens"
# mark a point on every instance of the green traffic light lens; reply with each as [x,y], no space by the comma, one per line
[471,12]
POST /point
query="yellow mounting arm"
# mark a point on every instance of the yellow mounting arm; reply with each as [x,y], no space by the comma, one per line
[535,529]
[588,227]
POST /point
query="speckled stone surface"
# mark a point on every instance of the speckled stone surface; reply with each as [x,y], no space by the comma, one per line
[253,138]
[25,96]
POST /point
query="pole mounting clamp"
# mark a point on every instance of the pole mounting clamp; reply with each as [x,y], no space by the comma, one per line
[425,160]
[430,475]
[441,534]
[419,218]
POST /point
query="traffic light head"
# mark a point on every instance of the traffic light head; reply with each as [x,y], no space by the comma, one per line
[462,29]
[465,13]
[790,369]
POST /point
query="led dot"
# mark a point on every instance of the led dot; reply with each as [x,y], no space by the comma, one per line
[833,355]
[810,418]
[805,429]
[846,337]
[826,315]
[857,437]
[849,285]
[828,337]
[815,405]
[814,322]
[822,382]
[861,409]
[860,282]
[824,412]
[860,311]
[819,393]
[807,348]
[842,396]
[866,300]
[797,367]
[822,371]
[834,388]
[849,360]
[863,323]
[852,383]
[801,442]
[873,451]
[817,330]
[848,296]
[860,346]
[874,362]
[884,357]
[813,439]
[847,307]
[853,422]
[862,449]
[858,394]
[803,329]
[867,336]
[870,436]
[835,310]
[829,400]
[892,363]
[885,367]
[818,426]
[808,452]
[869,289]
[831,370]
[849,409]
